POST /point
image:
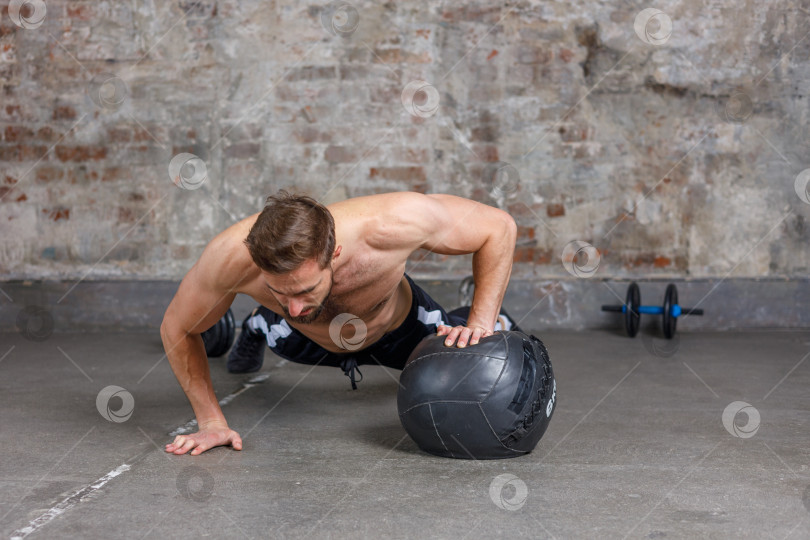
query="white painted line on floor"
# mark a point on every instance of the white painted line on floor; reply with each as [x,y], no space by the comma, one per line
[191,425]
[80,494]
[72,500]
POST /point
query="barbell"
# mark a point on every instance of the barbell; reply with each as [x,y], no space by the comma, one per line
[669,311]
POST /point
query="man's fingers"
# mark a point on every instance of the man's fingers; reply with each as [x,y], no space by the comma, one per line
[452,336]
[236,441]
[477,334]
[464,337]
[442,330]
[202,447]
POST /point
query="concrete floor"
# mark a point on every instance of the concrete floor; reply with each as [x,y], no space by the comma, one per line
[637,448]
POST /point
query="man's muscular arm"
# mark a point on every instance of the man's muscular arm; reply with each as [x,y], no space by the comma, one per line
[453,225]
[201,300]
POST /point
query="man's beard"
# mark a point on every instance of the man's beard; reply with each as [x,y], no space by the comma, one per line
[316,310]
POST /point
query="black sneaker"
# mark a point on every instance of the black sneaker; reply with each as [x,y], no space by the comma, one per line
[247,355]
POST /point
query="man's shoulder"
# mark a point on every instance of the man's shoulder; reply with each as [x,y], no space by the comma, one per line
[226,259]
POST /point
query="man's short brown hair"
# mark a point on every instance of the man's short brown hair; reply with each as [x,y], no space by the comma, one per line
[290,230]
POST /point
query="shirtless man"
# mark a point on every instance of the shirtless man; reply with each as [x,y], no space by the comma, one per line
[308,266]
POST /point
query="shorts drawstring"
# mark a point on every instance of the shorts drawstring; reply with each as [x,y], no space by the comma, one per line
[349,365]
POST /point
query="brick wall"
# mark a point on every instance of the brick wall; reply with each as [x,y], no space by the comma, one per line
[671,154]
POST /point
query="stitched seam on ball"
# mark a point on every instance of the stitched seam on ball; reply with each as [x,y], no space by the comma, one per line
[433,421]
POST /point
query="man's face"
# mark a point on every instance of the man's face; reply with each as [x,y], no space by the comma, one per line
[302,293]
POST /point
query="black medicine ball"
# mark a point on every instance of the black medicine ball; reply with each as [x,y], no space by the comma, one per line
[492,400]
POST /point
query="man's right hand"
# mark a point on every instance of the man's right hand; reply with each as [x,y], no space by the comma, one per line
[206,438]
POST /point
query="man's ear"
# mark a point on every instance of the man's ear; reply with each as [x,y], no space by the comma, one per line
[337,252]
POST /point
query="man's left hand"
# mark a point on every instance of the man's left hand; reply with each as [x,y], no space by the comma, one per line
[461,336]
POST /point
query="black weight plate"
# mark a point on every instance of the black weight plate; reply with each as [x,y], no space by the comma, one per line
[670,322]
[230,327]
[632,318]
[211,338]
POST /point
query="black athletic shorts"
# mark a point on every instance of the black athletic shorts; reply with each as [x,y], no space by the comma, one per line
[391,350]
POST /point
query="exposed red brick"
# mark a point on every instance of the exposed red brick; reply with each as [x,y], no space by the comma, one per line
[16,133]
[83,12]
[308,135]
[21,198]
[492,55]
[64,112]
[487,133]
[524,254]
[80,153]
[555,210]
[662,262]
[46,173]
[127,215]
[115,173]
[4,191]
[397,56]
[566,55]
[405,174]
[57,213]
[22,152]
[47,134]
[119,134]
[486,152]
[411,155]
[525,233]
[475,13]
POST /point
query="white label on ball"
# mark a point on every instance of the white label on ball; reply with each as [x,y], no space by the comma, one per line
[550,405]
